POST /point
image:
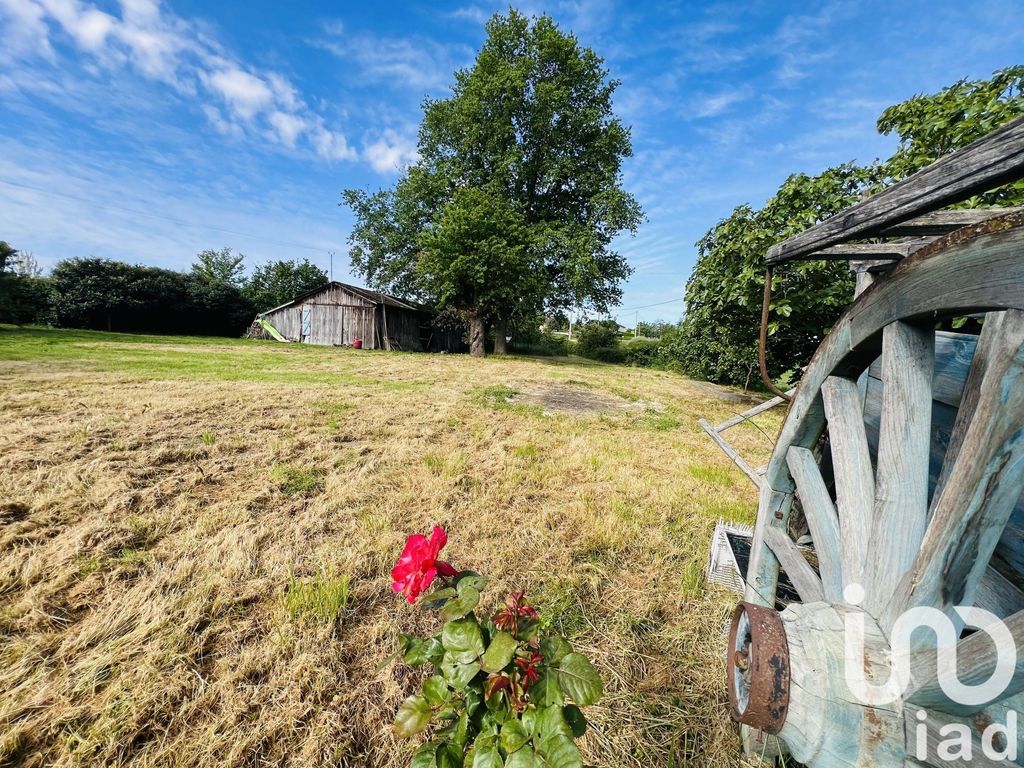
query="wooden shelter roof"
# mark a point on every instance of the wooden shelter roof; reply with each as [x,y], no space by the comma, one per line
[911,207]
[374,297]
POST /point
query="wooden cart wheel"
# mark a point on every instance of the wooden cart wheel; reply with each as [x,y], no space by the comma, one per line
[891,533]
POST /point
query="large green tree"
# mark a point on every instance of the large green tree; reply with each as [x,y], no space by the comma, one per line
[516,196]
[718,338]
[221,266]
[276,282]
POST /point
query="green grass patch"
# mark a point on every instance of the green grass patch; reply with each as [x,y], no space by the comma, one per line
[710,474]
[660,422]
[296,481]
[322,598]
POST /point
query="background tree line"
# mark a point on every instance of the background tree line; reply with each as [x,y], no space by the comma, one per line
[214,298]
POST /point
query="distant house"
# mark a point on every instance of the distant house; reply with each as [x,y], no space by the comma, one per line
[342,315]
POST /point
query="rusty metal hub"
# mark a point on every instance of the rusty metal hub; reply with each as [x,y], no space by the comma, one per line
[758,668]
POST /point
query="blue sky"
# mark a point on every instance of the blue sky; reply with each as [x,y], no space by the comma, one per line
[148,131]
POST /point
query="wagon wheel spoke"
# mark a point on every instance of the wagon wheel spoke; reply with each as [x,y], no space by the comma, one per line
[855,480]
[900,510]
[980,480]
[821,519]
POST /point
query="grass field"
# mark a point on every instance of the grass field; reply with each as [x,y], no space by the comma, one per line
[196,534]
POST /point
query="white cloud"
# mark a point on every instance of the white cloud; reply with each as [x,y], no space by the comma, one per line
[287,126]
[712,106]
[391,152]
[160,46]
[417,63]
[245,93]
[24,29]
[332,145]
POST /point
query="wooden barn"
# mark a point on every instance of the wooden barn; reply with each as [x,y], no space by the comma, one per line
[344,315]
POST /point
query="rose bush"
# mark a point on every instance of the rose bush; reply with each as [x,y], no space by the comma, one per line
[503,691]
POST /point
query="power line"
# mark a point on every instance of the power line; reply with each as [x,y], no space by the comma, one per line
[171,219]
[648,306]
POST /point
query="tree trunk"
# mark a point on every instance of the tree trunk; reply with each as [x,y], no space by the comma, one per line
[500,332]
[477,334]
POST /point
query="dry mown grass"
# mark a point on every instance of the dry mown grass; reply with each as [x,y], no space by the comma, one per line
[195,537]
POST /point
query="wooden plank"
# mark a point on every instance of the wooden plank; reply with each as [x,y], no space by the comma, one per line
[732,453]
[993,160]
[763,571]
[974,662]
[795,565]
[976,495]
[943,222]
[750,413]
[854,476]
[891,251]
[821,519]
[901,489]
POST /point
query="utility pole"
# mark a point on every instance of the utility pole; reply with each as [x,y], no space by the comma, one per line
[636,325]
[332,265]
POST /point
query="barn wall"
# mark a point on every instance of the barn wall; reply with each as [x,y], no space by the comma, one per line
[286,321]
[336,317]
[339,317]
[402,327]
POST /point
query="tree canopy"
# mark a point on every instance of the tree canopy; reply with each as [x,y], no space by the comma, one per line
[516,196]
[718,336]
[221,266]
[276,282]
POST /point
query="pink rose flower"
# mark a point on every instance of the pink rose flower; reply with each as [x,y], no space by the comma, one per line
[418,565]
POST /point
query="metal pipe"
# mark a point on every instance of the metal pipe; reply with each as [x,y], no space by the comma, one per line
[763,340]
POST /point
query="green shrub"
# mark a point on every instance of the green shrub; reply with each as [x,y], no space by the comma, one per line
[544,344]
[642,352]
[597,339]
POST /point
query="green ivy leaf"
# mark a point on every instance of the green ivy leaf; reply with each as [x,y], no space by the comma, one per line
[560,752]
[436,691]
[458,675]
[554,648]
[437,598]
[465,602]
[551,722]
[425,756]
[420,650]
[449,756]
[412,717]
[522,758]
[499,652]
[575,719]
[513,736]
[578,678]
[463,640]
[546,690]
[531,720]
[473,698]
[488,757]
[470,579]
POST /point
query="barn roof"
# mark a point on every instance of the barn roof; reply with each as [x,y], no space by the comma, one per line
[375,297]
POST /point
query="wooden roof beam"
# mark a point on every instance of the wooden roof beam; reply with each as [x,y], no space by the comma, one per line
[944,222]
[891,251]
[989,162]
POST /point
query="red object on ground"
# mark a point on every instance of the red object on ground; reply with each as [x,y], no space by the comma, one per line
[357,343]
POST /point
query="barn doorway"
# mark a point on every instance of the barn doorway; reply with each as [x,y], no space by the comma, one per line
[304,332]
